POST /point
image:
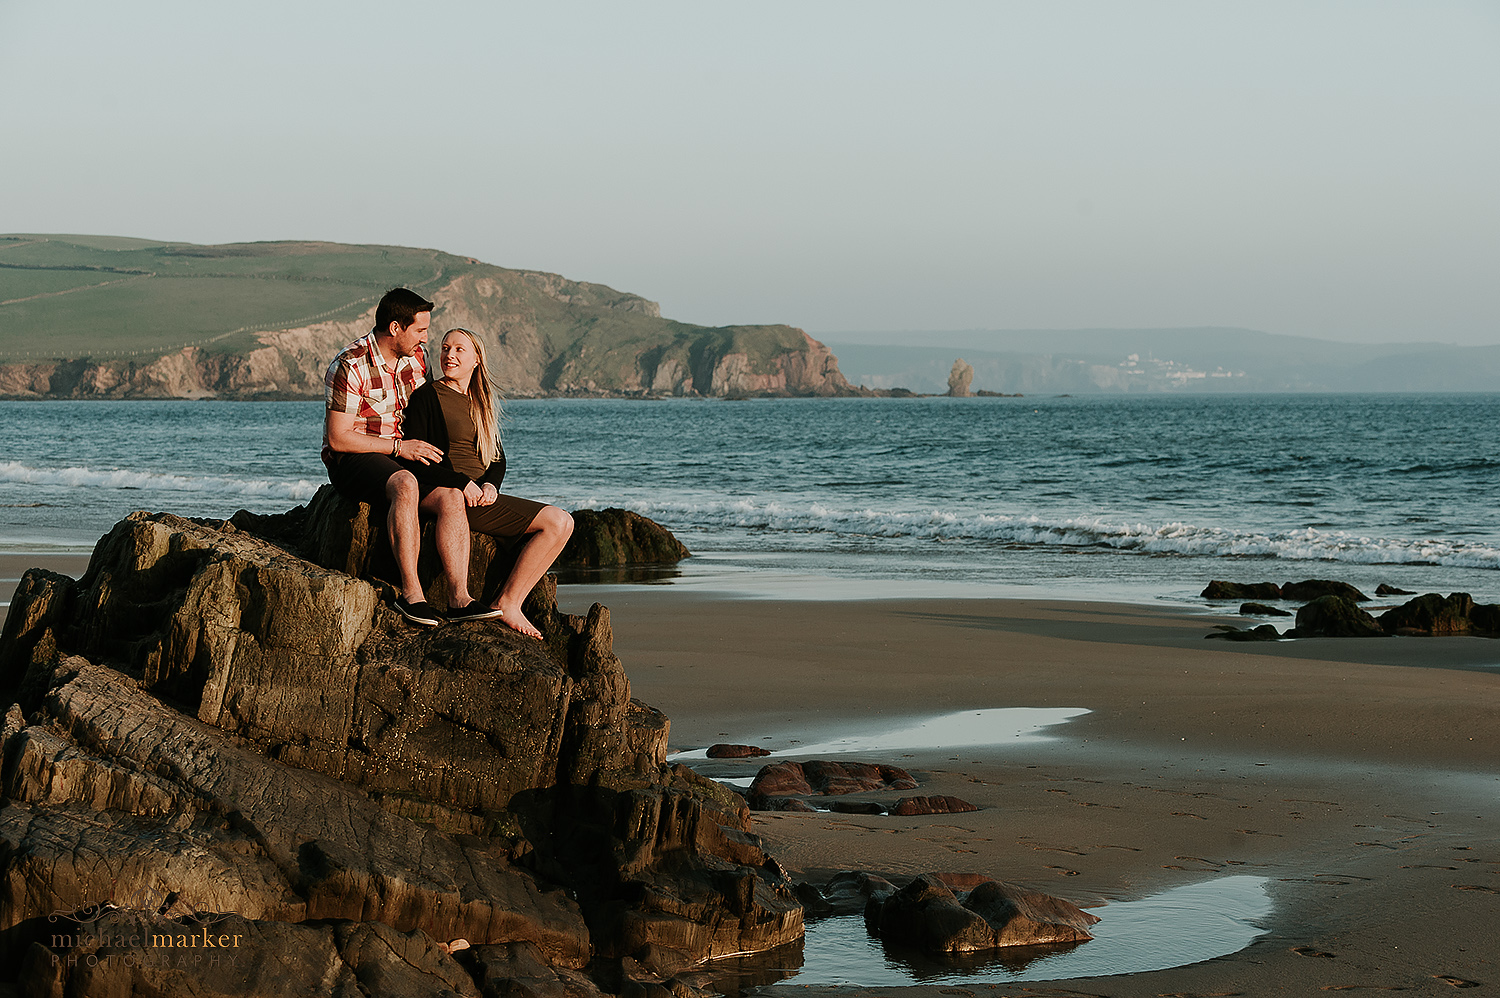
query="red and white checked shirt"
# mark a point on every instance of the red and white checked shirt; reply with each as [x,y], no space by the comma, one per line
[359,383]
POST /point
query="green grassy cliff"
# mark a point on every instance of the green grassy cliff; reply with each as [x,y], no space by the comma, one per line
[110,317]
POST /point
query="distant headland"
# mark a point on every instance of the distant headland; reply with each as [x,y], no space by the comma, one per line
[107,317]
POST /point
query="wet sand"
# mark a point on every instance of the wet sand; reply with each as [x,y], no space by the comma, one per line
[1360,777]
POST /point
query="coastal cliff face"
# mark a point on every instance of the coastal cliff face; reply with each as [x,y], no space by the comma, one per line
[545,334]
[211,733]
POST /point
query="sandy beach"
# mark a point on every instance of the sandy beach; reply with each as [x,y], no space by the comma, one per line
[1359,777]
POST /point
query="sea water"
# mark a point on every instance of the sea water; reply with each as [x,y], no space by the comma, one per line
[1130,497]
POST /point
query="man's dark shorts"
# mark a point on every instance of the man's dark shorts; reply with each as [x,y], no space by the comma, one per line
[362,477]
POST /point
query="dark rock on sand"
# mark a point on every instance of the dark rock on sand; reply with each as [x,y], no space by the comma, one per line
[803,779]
[1385,590]
[930,916]
[857,807]
[1265,632]
[1311,589]
[1218,589]
[207,722]
[724,750]
[605,538]
[1262,610]
[1336,617]
[942,804]
[1434,615]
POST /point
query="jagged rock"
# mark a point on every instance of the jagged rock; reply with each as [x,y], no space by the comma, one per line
[940,804]
[1385,590]
[1262,610]
[113,795]
[929,916]
[726,751]
[801,779]
[1218,589]
[960,378]
[604,538]
[308,665]
[246,731]
[1265,632]
[1434,615]
[1311,589]
[520,970]
[1336,617]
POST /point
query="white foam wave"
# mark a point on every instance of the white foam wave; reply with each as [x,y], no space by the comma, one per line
[18,473]
[1308,544]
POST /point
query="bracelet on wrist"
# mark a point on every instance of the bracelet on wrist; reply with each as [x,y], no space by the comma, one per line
[396,448]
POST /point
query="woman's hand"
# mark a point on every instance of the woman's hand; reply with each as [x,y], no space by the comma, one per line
[474,495]
[490,495]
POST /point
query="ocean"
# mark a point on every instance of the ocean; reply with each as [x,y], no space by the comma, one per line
[1139,498]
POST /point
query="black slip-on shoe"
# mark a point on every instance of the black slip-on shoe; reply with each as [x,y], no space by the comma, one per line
[418,613]
[474,611]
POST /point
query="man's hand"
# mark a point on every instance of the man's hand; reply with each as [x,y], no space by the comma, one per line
[345,437]
[420,450]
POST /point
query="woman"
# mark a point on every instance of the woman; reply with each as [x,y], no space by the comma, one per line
[457,413]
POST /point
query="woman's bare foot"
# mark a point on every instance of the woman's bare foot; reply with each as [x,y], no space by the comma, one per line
[512,617]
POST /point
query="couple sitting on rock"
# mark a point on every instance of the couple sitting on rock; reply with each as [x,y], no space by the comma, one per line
[430,449]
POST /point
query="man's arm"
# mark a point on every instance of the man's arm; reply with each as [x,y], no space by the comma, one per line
[345,437]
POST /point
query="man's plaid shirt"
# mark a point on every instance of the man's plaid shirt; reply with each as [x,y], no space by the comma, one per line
[359,383]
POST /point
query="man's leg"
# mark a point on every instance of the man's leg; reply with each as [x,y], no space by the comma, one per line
[405,531]
[546,537]
[451,534]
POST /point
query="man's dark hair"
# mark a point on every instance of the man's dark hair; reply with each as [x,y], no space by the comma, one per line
[399,305]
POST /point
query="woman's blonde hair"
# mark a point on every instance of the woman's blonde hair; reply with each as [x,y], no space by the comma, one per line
[483,406]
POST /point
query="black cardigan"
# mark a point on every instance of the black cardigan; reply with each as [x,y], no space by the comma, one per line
[422,419]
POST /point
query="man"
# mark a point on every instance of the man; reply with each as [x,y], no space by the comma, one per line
[368,384]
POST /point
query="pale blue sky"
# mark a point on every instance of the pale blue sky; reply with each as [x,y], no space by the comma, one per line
[1320,169]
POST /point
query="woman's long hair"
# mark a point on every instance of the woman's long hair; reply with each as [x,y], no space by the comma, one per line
[483,406]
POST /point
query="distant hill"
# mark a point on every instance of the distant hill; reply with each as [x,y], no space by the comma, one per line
[112,317]
[1156,360]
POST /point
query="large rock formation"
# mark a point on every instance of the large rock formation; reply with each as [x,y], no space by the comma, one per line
[210,733]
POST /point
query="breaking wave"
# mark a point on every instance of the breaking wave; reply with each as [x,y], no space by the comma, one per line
[145,481]
[1176,538]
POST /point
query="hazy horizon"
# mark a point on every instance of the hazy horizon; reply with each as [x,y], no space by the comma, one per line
[1323,172]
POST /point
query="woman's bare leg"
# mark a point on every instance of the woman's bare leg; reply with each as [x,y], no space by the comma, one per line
[545,539]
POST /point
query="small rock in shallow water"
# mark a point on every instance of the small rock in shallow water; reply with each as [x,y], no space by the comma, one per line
[1311,589]
[929,915]
[1219,589]
[1262,610]
[1385,590]
[724,750]
[857,807]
